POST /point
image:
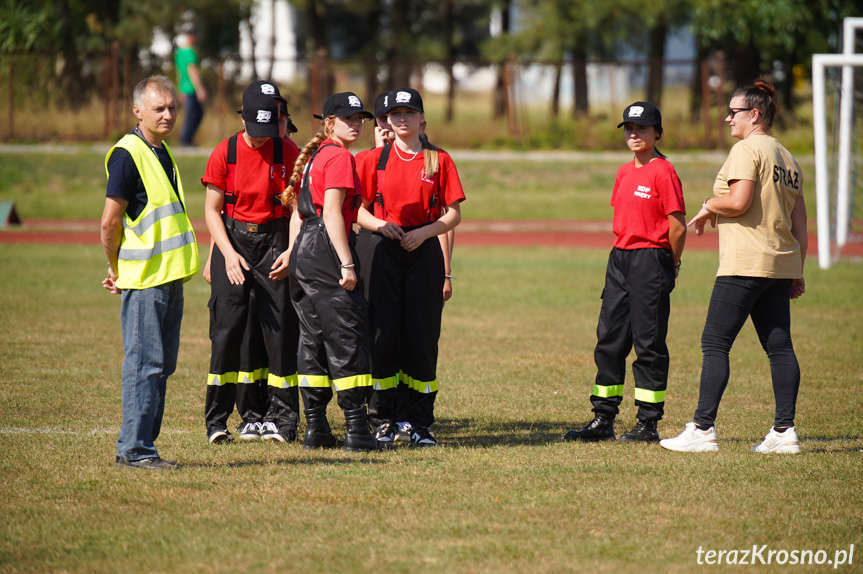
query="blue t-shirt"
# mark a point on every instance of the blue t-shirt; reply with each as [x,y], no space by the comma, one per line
[125,182]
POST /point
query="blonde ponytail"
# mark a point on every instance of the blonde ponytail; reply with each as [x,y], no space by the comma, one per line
[431,162]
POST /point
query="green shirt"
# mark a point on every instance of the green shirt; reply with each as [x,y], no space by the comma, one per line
[183,57]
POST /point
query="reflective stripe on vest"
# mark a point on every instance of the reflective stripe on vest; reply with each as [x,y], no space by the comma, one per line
[159,246]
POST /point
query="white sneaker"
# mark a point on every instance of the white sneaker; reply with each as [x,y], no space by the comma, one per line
[692,439]
[403,431]
[780,443]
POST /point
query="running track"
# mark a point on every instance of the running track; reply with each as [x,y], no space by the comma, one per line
[538,233]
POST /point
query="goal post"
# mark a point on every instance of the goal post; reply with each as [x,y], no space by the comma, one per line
[828,227]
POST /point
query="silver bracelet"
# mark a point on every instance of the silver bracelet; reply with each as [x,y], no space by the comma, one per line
[347,266]
[449,277]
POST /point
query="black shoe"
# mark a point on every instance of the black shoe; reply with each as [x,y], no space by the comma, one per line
[423,437]
[270,432]
[250,431]
[601,428]
[152,463]
[386,432]
[644,431]
[220,436]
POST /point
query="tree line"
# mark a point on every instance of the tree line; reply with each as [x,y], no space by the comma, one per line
[390,37]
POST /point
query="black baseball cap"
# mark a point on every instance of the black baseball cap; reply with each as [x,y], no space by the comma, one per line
[382,104]
[406,98]
[291,127]
[343,105]
[642,114]
[261,114]
[270,89]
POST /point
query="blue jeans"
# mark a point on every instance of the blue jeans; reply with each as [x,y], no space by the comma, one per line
[734,299]
[194,113]
[150,319]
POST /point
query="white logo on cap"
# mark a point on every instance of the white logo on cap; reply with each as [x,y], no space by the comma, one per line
[268,89]
[387,101]
[403,98]
[264,117]
[636,111]
[354,102]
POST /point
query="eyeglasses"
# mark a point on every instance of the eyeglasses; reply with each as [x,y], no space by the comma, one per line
[733,111]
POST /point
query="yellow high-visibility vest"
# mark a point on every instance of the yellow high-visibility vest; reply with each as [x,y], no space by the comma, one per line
[159,246]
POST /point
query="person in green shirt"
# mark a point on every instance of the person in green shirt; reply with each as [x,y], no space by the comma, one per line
[191,88]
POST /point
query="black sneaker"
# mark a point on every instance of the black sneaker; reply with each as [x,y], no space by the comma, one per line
[152,463]
[250,431]
[385,432]
[601,428]
[220,436]
[644,431]
[269,431]
[423,437]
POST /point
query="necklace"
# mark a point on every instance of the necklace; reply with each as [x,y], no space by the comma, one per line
[757,133]
[398,153]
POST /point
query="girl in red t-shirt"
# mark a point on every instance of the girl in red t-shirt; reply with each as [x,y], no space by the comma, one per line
[642,268]
[414,192]
[323,281]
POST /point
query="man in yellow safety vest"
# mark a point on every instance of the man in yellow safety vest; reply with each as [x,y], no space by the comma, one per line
[151,251]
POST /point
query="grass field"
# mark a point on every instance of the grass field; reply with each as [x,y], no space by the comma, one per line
[62,185]
[501,495]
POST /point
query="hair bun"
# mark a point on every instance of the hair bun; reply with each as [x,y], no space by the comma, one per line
[765,87]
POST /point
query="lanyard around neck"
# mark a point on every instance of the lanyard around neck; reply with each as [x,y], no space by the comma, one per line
[140,134]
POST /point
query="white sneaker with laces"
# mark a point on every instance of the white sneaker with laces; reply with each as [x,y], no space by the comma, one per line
[692,439]
[780,443]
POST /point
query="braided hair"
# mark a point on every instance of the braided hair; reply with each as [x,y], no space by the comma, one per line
[308,150]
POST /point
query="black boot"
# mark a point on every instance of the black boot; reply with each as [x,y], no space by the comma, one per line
[358,437]
[318,433]
[599,429]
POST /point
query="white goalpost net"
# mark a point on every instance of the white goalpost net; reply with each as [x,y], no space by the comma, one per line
[837,101]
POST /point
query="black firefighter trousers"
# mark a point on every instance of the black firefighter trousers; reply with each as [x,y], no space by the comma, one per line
[635,310]
[405,309]
[253,330]
[334,335]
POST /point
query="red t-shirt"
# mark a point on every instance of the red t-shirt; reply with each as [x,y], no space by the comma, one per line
[405,188]
[256,179]
[334,166]
[642,199]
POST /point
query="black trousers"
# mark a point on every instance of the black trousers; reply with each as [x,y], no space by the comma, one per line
[405,308]
[634,313]
[253,332]
[767,301]
[333,346]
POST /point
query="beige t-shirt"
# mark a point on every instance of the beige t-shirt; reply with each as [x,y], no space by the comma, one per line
[759,243]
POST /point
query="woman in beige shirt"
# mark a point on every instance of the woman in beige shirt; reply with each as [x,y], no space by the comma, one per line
[759,208]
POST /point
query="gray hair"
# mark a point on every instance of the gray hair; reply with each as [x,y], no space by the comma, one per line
[158,83]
